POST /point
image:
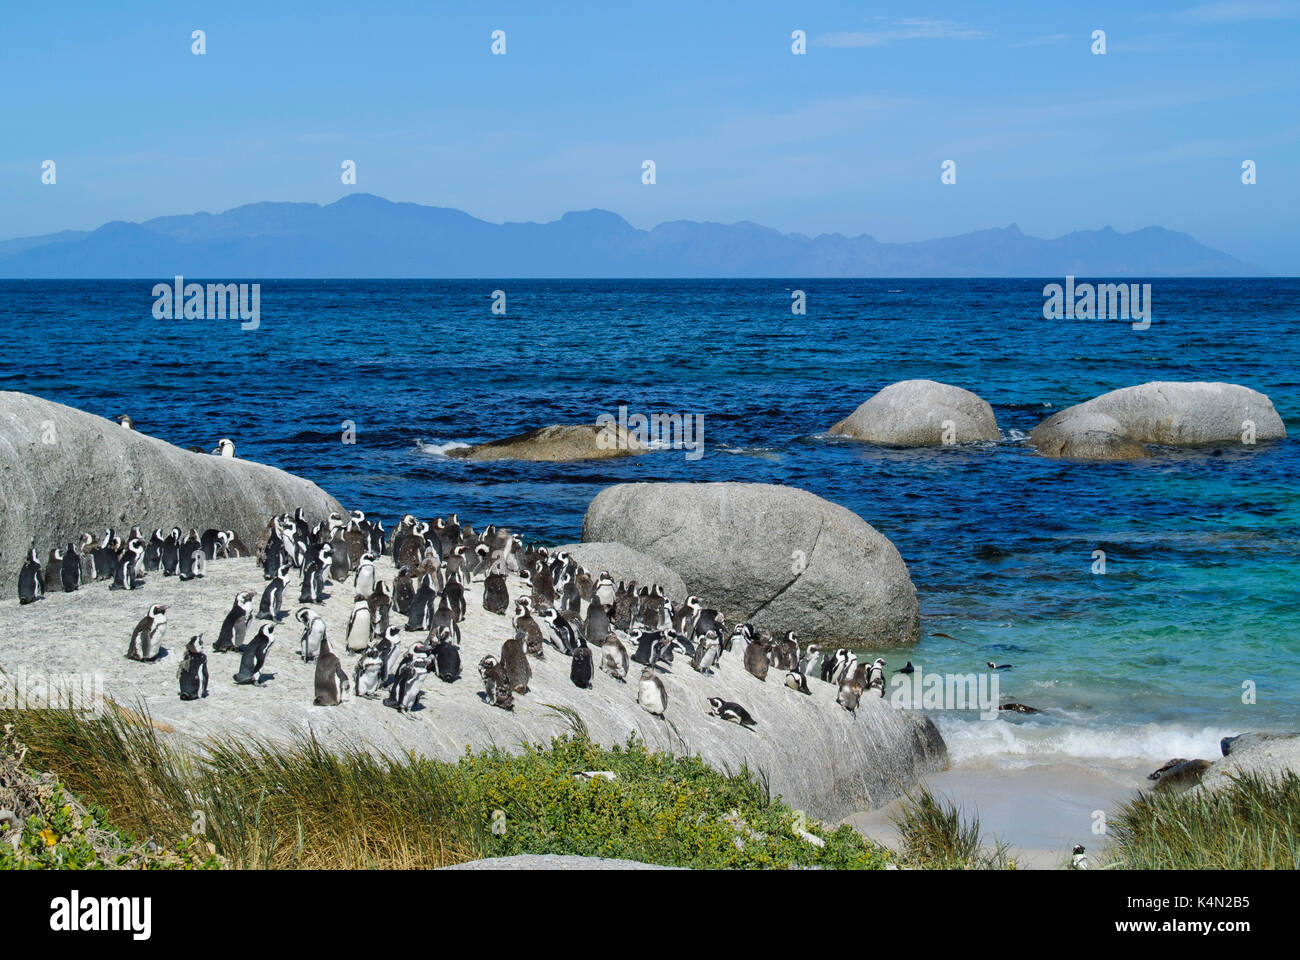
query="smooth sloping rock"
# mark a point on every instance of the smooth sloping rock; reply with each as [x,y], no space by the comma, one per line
[1171,413]
[624,563]
[777,556]
[822,759]
[571,441]
[913,413]
[93,474]
[1259,753]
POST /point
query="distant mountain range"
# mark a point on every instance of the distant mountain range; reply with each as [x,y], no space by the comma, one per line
[362,235]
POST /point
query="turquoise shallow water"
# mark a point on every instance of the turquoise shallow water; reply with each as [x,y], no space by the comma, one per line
[1147,661]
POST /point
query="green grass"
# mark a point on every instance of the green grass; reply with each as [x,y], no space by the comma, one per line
[1251,824]
[937,835]
[254,804]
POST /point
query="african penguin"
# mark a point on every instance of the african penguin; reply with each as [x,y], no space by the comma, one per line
[147,637]
[254,658]
[31,584]
[651,694]
[731,712]
[235,626]
[331,680]
[192,675]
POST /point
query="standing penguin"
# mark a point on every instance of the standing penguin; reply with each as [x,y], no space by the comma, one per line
[70,569]
[496,595]
[496,683]
[367,679]
[254,658]
[53,571]
[515,662]
[331,681]
[358,636]
[313,634]
[446,658]
[193,562]
[193,671]
[272,604]
[130,561]
[363,581]
[580,670]
[652,695]
[390,654]
[235,626]
[707,652]
[422,605]
[31,583]
[876,676]
[756,661]
[171,554]
[527,631]
[403,591]
[153,551]
[406,693]
[147,637]
[381,606]
[614,658]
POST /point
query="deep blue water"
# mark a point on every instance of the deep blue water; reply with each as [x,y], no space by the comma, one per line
[1203,547]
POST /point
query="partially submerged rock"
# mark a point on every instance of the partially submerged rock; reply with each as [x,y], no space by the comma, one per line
[918,413]
[64,471]
[1115,425]
[562,442]
[777,556]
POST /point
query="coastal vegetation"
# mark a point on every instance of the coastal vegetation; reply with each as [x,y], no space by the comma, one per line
[256,804]
[1250,823]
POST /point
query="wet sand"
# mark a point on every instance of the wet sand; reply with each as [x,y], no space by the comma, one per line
[1041,809]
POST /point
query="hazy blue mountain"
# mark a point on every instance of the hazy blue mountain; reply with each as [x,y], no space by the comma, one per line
[362,235]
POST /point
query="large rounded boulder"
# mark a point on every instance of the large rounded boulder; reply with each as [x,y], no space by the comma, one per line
[623,563]
[64,471]
[779,557]
[921,413]
[1115,425]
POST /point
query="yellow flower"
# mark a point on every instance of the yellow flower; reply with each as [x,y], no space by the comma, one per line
[49,836]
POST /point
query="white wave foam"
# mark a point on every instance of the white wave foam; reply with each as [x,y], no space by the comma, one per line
[439,450]
[973,739]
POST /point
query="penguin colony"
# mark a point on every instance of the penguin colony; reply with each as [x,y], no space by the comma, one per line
[592,620]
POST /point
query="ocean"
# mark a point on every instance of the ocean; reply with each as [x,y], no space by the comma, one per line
[1155,658]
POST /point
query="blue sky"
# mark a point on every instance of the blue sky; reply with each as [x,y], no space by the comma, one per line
[848,138]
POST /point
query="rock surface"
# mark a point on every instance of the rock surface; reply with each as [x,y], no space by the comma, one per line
[913,413]
[823,759]
[64,471]
[1079,433]
[624,563]
[1269,754]
[1114,425]
[562,442]
[777,556]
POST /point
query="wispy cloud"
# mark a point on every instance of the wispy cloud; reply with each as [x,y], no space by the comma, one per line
[1240,11]
[1045,39]
[915,28]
